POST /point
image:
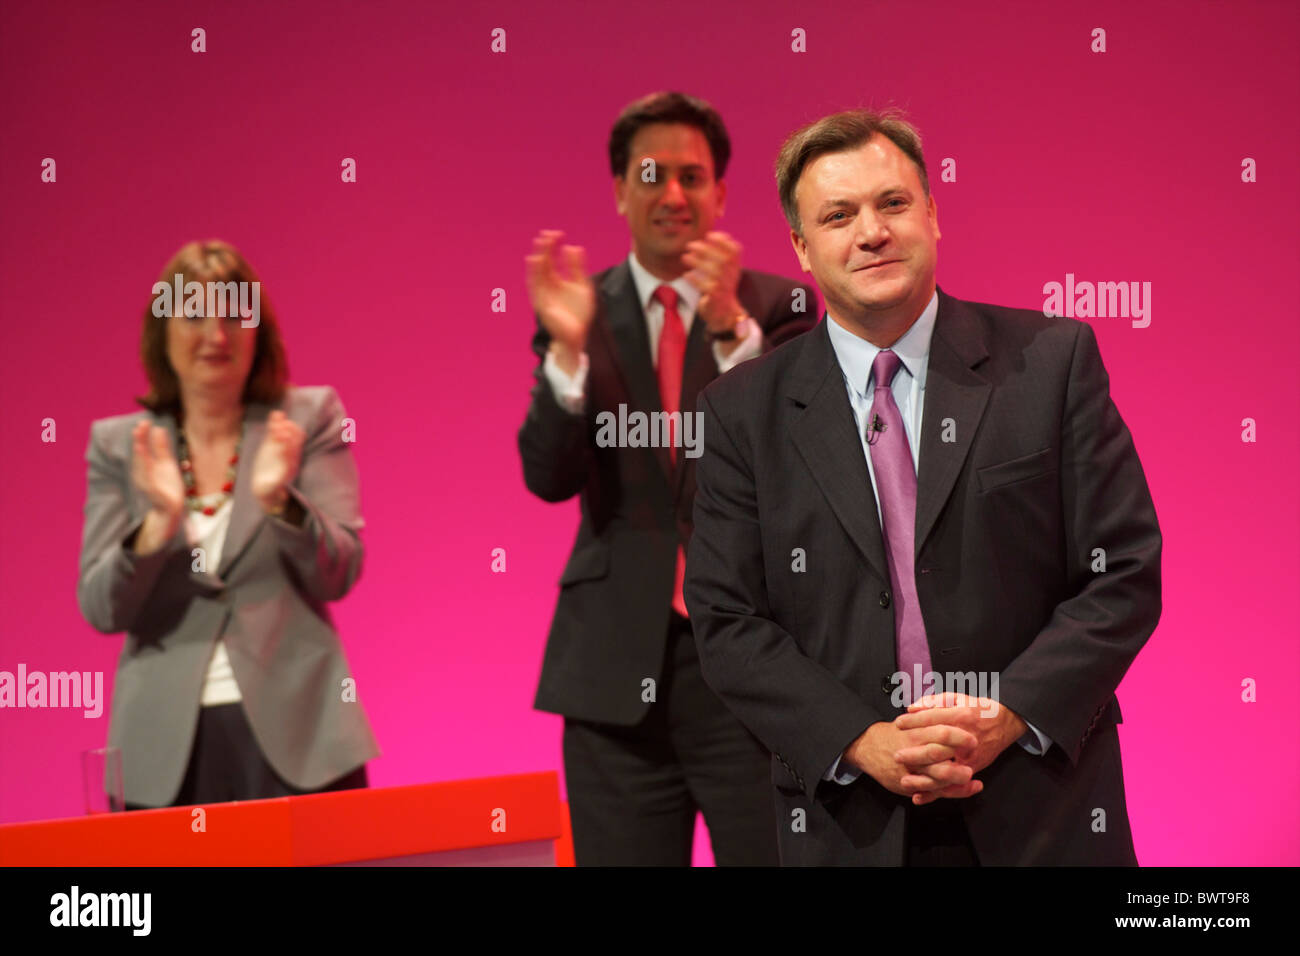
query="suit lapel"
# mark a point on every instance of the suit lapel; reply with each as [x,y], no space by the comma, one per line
[952,391]
[631,349]
[826,435]
[246,515]
[698,369]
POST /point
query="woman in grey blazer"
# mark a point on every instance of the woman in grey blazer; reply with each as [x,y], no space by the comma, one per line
[218,525]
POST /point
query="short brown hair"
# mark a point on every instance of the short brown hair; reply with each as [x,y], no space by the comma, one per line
[668,108]
[211,261]
[837,133]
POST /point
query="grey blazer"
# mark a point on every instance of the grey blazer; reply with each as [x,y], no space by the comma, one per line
[267,601]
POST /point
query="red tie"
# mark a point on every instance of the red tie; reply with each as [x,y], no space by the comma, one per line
[672,354]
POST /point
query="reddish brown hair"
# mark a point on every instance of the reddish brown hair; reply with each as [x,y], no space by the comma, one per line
[211,261]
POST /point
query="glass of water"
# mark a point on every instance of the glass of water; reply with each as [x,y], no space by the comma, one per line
[101,774]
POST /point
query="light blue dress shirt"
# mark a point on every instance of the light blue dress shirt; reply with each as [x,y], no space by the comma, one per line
[856,356]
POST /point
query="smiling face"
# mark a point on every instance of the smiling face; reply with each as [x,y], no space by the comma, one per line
[210,354]
[870,236]
[680,205]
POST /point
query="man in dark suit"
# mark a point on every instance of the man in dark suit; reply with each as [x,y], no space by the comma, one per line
[921,486]
[646,744]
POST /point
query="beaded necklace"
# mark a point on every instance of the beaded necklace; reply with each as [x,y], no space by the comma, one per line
[187,473]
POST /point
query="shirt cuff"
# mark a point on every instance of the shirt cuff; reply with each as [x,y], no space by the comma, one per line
[835,776]
[1034,740]
[567,389]
[751,346]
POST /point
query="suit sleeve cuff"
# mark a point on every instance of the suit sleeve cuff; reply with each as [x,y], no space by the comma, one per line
[135,574]
[147,566]
[296,534]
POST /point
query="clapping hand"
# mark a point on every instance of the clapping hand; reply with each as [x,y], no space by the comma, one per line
[561,293]
[154,470]
[277,461]
[714,264]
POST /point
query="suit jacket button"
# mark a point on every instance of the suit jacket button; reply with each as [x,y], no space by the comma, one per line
[887,684]
[884,599]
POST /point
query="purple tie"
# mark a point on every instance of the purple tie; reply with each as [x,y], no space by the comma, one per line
[891,458]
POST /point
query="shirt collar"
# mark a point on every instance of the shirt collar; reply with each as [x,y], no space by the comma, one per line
[857,355]
[647,283]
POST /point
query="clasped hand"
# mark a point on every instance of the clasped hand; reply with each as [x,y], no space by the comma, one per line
[937,747]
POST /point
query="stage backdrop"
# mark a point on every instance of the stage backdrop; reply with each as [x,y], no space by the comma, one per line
[1106,141]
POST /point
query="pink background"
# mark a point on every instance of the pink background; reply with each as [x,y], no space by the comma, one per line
[1122,166]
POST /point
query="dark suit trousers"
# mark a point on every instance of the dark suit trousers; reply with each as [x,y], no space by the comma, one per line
[634,791]
[226,764]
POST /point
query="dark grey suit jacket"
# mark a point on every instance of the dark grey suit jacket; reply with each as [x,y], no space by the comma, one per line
[611,619]
[1042,471]
[267,602]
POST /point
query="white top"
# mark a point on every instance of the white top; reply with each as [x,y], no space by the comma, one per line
[209,533]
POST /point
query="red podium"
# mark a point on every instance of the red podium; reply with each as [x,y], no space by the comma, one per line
[515,820]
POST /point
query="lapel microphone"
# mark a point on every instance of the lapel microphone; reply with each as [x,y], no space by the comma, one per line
[874,428]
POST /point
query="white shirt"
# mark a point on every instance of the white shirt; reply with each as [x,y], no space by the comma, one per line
[209,533]
[857,355]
